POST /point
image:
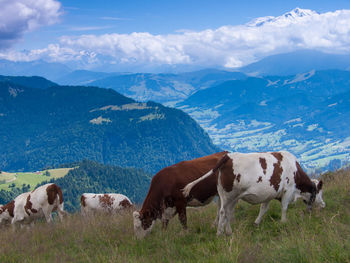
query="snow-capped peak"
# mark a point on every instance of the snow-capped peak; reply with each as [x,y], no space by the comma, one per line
[298,12]
[286,17]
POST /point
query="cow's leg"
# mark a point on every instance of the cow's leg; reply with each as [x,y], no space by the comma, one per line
[286,199]
[181,210]
[14,224]
[165,223]
[225,210]
[215,223]
[230,215]
[61,212]
[263,209]
[47,213]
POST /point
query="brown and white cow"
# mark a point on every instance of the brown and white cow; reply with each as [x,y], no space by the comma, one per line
[109,203]
[258,178]
[165,199]
[39,203]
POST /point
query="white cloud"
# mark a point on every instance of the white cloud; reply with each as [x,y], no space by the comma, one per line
[229,46]
[19,16]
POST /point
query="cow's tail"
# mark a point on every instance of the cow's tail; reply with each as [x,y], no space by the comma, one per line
[186,191]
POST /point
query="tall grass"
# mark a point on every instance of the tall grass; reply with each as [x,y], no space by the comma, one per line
[323,236]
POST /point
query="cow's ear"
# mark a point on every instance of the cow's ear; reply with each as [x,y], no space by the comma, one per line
[319,185]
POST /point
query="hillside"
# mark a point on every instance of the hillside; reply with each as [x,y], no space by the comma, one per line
[307,114]
[64,124]
[323,236]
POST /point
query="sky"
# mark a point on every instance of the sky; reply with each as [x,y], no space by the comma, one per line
[111,34]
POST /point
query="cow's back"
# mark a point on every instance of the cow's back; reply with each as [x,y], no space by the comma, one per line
[259,176]
[104,202]
[48,194]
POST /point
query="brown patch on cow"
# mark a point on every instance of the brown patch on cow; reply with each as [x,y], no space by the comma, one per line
[52,192]
[82,200]
[263,164]
[278,156]
[125,203]
[302,181]
[222,161]
[259,179]
[106,200]
[29,207]
[228,176]
[287,180]
[238,177]
[9,207]
[277,171]
[319,186]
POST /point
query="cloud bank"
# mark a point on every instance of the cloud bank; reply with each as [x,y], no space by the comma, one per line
[227,46]
[20,16]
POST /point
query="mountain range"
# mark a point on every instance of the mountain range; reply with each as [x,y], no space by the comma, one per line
[295,101]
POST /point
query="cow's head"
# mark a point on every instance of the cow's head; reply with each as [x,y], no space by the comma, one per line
[315,196]
[143,224]
[318,200]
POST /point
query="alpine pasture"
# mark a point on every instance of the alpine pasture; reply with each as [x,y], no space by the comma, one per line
[322,236]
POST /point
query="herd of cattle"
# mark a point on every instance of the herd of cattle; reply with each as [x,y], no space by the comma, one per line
[256,178]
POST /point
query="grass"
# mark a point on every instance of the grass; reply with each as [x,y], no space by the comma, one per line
[31,178]
[323,236]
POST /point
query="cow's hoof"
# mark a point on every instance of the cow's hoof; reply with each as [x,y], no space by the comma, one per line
[228,233]
[219,233]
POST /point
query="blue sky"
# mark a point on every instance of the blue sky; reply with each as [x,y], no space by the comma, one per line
[163,16]
[164,32]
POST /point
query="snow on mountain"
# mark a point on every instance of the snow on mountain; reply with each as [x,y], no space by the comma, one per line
[285,19]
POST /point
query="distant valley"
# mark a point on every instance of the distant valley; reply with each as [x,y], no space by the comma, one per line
[307,114]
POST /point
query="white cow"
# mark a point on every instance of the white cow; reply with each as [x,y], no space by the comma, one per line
[39,203]
[258,178]
[109,203]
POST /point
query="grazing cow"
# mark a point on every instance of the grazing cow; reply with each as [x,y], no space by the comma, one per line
[165,199]
[257,178]
[39,203]
[109,203]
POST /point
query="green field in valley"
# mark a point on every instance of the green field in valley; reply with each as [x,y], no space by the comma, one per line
[32,178]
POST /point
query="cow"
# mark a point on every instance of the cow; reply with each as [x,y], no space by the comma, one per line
[258,178]
[39,203]
[165,199]
[108,203]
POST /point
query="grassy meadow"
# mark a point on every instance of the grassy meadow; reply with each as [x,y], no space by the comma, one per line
[31,178]
[323,236]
